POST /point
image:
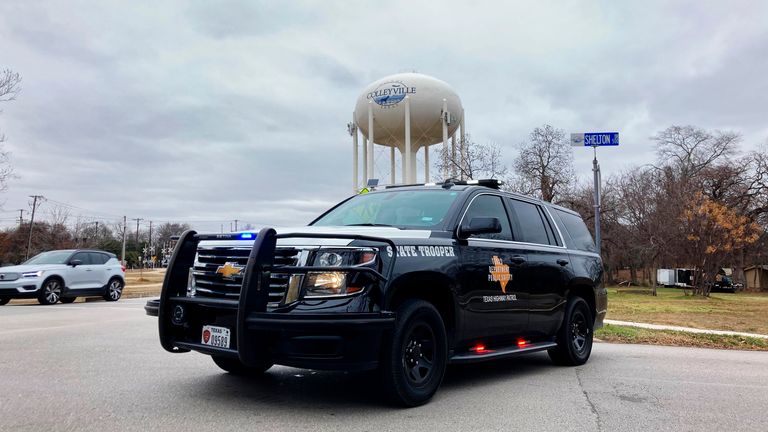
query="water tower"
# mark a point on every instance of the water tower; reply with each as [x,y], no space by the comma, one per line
[407,111]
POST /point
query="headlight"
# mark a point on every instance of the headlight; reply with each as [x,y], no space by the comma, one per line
[337,283]
[32,274]
[191,291]
[344,257]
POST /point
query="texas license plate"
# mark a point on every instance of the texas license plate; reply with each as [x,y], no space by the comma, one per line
[215,336]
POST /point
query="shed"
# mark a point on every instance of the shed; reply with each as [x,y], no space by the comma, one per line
[756,277]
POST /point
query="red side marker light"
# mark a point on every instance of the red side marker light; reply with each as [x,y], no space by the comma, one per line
[521,343]
[479,348]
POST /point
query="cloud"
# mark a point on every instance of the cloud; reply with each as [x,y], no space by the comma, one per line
[209,112]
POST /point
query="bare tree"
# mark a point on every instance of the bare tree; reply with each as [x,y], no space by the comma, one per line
[544,166]
[10,86]
[690,149]
[471,161]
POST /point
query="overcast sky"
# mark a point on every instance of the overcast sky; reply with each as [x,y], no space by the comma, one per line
[204,111]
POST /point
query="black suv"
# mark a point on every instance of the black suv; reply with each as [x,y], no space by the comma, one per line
[404,280]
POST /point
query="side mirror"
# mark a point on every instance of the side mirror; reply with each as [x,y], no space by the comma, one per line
[75,263]
[479,225]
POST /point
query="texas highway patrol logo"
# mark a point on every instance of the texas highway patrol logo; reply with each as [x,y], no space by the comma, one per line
[499,272]
[230,269]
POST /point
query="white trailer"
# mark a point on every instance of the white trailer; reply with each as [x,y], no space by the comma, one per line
[666,277]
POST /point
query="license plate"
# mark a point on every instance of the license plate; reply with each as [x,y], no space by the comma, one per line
[215,336]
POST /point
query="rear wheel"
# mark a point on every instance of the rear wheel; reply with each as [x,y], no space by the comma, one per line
[4,301]
[50,293]
[415,356]
[236,367]
[114,290]
[67,300]
[574,339]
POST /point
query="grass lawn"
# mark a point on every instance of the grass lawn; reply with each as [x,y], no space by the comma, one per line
[744,312]
[621,334]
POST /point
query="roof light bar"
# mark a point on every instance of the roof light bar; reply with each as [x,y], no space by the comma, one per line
[447,184]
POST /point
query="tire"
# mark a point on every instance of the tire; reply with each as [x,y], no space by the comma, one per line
[574,339]
[50,293]
[415,355]
[68,300]
[4,301]
[235,367]
[114,290]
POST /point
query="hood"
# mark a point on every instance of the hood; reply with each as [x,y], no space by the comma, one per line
[371,231]
[30,268]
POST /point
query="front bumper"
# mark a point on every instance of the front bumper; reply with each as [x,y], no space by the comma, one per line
[337,338]
[20,288]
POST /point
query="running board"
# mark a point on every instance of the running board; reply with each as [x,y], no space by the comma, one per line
[470,357]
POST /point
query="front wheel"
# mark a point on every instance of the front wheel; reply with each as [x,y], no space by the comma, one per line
[236,367]
[50,293]
[574,339]
[4,301]
[114,290]
[415,356]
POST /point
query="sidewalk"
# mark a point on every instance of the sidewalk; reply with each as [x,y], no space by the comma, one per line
[684,329]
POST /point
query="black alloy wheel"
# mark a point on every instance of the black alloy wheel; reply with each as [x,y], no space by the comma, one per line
[574,339]
[114,290]
[51,292]
[415,355]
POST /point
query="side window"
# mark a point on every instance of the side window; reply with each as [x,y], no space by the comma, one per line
[98,258]
[582,239]
[490,206]
[533,227]
[82,256]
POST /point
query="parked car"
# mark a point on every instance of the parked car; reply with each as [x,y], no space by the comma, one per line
[64,275]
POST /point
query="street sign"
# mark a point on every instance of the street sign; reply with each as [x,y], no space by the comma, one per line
[595,139]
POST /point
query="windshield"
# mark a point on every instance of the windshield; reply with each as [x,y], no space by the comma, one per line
[53,257]
[398,208]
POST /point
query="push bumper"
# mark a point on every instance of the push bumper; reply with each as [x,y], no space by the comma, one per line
[334,340]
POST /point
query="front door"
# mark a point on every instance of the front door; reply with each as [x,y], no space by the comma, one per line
[491,296]
[79,277]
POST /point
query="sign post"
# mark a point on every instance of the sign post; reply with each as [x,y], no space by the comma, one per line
[595,140]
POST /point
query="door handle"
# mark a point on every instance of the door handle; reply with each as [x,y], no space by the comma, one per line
[518,259]
[88,269]
[562,262]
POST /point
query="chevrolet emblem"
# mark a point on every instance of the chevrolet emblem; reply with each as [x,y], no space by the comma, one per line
[229,269]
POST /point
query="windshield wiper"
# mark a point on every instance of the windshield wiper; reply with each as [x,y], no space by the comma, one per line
[370,224]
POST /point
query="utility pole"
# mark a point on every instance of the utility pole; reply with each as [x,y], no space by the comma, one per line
[150,234]
[235,224]
[125,228]
[137,230]
[21,217]
[32,222]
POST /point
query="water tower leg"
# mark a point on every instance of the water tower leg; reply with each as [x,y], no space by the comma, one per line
[365,160]
[462,145]
[392,165]
[407,153]
[354,155]
[369,162]
[443,121]
[426,164]
[454,161]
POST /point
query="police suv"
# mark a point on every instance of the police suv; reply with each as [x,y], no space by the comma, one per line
[404,280]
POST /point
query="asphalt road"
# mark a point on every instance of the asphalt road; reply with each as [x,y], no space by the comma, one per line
[99,366]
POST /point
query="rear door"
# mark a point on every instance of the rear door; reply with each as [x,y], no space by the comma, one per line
[99,269]
[491,295]
[547,270]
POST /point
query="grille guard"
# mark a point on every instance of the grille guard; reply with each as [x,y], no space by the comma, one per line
[254,292]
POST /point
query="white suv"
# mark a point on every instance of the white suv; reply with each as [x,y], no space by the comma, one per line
[64,275]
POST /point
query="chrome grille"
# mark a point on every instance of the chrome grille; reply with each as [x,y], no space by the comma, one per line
[208,283]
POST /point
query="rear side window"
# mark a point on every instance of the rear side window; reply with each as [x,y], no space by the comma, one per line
[534,228]
[98,258]
[490,206]
[582,239]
